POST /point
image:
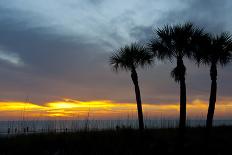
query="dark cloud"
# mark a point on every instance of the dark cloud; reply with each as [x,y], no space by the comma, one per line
[142,33]
[213,15]
[56,64]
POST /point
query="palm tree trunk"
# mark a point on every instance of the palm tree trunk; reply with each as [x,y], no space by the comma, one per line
[178,74]
[182,122]
[213,95]
[182,104]
[134,77]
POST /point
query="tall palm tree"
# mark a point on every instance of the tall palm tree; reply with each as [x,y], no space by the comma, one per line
[176,42]
[214,51]
[129,58]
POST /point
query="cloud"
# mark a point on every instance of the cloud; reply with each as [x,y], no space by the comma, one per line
[64,46]
[11,58]
[213,15]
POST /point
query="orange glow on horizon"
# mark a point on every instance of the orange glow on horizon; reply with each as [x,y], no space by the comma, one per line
[74,109]
[14,106]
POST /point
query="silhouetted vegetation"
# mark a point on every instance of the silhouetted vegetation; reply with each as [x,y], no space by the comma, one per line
[214,51]
[120,142]
[129,58]
[179,42]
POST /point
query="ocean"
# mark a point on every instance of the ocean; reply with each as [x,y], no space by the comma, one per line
[45,126]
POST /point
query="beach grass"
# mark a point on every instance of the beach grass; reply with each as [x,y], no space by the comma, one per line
[121,141]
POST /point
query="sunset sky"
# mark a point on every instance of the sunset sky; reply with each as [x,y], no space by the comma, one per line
[54,58]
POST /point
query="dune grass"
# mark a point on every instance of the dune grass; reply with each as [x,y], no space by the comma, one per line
[117,142]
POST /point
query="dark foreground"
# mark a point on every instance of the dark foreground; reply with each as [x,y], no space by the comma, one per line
[127,141]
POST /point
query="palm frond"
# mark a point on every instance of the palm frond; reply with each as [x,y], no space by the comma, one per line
[220,49]
[130,56]
[178,72]
[201,42]
[175,75]
[176,41]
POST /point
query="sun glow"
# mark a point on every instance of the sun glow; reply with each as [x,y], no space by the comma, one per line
[14,106]
[73,109]
[62,105]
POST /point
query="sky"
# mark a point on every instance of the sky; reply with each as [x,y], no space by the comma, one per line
[54,51]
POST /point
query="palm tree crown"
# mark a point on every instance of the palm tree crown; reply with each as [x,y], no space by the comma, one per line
[130,57]
[175,42]
[215,50]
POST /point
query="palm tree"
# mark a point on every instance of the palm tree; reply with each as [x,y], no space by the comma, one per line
[214,51]
[129,58]
[176,42]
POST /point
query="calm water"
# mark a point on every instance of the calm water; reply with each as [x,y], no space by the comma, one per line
[40,126]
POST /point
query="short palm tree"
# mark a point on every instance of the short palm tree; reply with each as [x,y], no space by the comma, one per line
[175,42]
[214,51]
[129,58]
